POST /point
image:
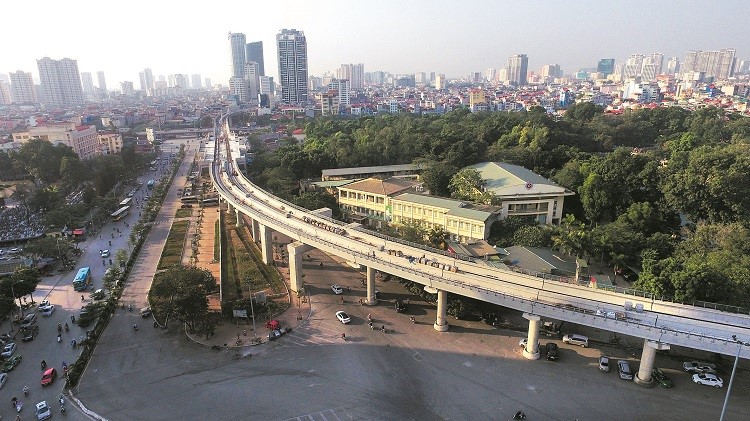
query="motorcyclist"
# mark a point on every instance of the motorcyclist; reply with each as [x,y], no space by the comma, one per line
[519,415]
[44,364]
[66,327]
[135,326]
[26,391]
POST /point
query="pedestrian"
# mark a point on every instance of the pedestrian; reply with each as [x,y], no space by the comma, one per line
[73,319]
[383,328]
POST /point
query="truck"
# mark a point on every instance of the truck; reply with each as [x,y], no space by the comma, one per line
[82,279]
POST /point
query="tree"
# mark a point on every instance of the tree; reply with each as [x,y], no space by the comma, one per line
[181,292]
[121,257]
[569,237]
[317,200]
[413,231]
[467,184]
[533,236]
[437,177]
[49,247]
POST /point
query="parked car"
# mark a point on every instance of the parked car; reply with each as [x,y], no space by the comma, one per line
[8,350]
[343,317]
[336,288]
[661,378]
[30,333]
[145,312]
[3,379]
[708,379]
[43,304]
[604,363]
[11,363]
[624,369]
[49,376]
[574,339]
[698,367]
[29,320]
[553,351]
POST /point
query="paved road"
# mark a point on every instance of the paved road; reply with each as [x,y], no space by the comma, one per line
[472,372]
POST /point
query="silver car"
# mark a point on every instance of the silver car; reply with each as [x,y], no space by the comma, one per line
[624,368]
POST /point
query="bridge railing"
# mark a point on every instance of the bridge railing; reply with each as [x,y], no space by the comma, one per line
[415,245]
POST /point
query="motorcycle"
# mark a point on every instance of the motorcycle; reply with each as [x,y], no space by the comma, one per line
[26,391]
[413,319]
[135,327]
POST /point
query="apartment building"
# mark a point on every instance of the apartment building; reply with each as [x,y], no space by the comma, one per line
[82,139]
[368,201]
[109,142]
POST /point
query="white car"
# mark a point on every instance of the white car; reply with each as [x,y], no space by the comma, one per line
[8,350]
[624,369]
[43,304]
[576,340]
[337,289]
[47,310]
[708,379]
[3,379]
[343,317]
[698,367]
[43,411]
[104,253]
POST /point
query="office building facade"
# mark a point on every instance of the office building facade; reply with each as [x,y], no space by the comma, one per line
[606,66]
[237,45]
[254,52]
[518,68]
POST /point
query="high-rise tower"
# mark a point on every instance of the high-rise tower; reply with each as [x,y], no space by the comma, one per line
[22,88]
[254,52]
[60,82]
[237,43]
[102,85]
[292,50]
[518,68]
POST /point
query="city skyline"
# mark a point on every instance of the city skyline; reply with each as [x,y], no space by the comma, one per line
[394,37]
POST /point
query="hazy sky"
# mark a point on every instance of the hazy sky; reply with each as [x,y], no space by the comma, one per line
[122,38]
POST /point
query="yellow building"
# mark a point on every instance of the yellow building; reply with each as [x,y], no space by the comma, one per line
[463,221]
[476,96]
[368,201]
[109,142]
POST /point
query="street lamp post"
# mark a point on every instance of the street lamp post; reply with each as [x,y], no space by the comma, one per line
[740,344]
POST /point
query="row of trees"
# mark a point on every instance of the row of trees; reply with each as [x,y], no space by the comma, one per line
[638,208]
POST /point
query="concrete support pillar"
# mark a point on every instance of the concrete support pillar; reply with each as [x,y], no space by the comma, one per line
[230,208]
[239,219]
[256,230]
[531,351]
[643,377]
[371,299]
[295,266]
[441,324]
[266,247]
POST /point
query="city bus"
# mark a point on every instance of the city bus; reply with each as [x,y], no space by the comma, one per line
[120,213]
[82,279]
[211,201]
[189,199]
[126,202]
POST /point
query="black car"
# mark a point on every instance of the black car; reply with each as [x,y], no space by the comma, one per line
[30,333]
[553,351]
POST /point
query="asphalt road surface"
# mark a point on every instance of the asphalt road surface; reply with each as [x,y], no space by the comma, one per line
[412,372]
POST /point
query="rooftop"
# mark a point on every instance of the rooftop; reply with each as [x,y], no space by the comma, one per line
[502,179]
[370,170]
[385,187]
